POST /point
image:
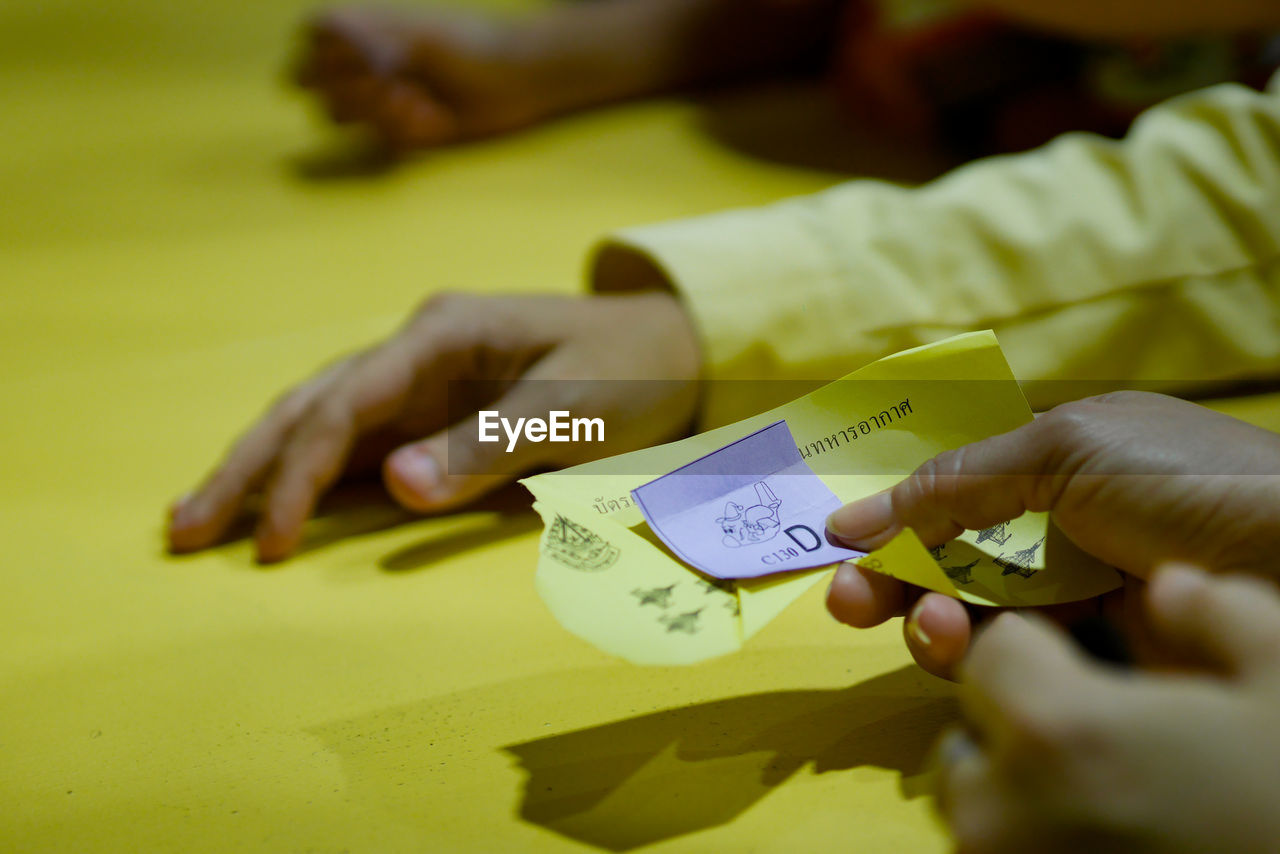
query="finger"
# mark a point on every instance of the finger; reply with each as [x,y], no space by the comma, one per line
[357,39]
[862,599]
[969,488]
[352,99]
[970,798]
[955,746]
[937,633]
[1022,675]
[362,394]
[1233,621]
[328,55]
[307,71]
[453,467]
[407,117]
[311,461]
[336,56]
[202,517]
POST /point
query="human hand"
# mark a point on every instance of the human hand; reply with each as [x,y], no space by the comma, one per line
[1066,755]
[431,77]
[388,406]
[422,78]
[1135,479]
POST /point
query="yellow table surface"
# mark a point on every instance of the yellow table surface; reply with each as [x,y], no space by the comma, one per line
[169,260]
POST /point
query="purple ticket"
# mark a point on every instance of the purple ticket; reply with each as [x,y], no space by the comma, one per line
[751,508]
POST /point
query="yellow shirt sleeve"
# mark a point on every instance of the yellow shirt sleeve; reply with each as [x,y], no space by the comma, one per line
[1155,259]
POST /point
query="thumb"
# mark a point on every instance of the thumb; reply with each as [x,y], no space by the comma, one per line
[969,488]
[1020,669]
[454,466]
[1233,621]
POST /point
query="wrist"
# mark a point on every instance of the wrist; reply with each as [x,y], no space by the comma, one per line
[580,55]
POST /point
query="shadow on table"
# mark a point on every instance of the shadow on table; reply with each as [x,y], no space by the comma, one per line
[508,513]
[634,782]
[353,509]
[357,510]
[800,123]
[346,157]
[362,508]
[795,122]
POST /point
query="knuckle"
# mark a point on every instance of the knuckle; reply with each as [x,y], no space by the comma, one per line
[1126,397]
[978,833]
[326,425]
[910,494]
[920,484]
[1035,733]
[1088,411]
[290,406]
[1202,600]
[450,320]
[949,478]
[1054,732]
[936,480]
[1071,424]
[326,23]
[950,463]
[444,303]
[1234,594]
[320,21]
[272,527]
[331,415]
[1068,762]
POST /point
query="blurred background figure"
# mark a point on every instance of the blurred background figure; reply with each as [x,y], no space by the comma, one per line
[1149,260]
[979,78]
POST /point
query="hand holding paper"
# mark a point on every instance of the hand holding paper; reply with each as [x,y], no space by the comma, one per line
[1136,480]
[655,598]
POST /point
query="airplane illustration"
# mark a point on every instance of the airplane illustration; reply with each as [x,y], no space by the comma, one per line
[961,574]
[1019,562]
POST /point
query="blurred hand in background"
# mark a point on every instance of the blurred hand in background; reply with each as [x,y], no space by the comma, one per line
[388,408]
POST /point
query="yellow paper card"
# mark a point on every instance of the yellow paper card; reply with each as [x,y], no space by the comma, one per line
[610,580]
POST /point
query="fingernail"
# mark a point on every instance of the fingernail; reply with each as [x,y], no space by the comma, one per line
[185,511]
[419,469]
[955,746]
[862,520]
[1174,584]
[842,579]
[845,572]
[1181,578]
[175,506]
[917,634]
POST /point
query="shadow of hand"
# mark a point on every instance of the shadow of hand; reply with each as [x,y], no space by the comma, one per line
[360,508]
[634,782]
